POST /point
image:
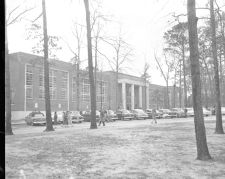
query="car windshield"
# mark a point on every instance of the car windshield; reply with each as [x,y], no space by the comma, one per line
[125,111]
[139,111]
[76,113]
[149,110]
[38,115]
[165,110]
[110,112]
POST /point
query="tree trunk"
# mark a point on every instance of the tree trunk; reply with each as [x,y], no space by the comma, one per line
[184,74]
[78,85]
[117,78]
[210,80]
[49,126]
[8,127]
[202,148]
[96,62]
[180,89]
[90,67]
[219,123]
[167,95]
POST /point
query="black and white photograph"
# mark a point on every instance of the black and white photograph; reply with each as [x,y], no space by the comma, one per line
[114,89]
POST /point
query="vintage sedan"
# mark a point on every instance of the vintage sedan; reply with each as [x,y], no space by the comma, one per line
[158,114]
[223,110]
[179,112]
[206,112]
[87,115]
[76,117]
[59,117]
[111,116]
[190,112]
[139,114]
[35,118]
[124,114]
[149,112]
[166,113]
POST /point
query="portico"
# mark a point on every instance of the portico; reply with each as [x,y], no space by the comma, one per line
[134,94]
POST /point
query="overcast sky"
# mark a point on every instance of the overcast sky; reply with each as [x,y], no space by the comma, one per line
[142,23]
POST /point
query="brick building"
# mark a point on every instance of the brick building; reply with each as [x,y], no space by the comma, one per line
[27,87]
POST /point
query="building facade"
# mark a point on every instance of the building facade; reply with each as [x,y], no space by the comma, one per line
[70,93]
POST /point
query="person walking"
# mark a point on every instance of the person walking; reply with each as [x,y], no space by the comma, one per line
[102,118]
[69,118]
[154,116]
[55,118]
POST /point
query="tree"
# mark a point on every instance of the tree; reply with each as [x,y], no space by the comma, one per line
[201,142]
[90,68]
[77,32]
[14,15]
[165,72]
[8,127]
[34,33]
[49,126]
[219,123]
[122,51]
[176,39]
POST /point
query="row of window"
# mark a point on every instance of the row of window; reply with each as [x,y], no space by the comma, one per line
[85,90]
[84,83]
[30,71]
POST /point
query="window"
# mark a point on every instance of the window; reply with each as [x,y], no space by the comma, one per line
[101,91]
[86,90]
[64,83]
[29,82]
[52,83]
[41,83]
[74,88]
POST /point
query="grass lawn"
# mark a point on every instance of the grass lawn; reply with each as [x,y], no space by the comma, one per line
[122,149]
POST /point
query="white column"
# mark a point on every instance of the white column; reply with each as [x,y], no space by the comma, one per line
[147,96]
[140,96]
[132,96]
[124,95]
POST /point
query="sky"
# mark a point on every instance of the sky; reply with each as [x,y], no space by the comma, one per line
[142,24]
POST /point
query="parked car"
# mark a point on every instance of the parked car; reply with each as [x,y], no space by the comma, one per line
[206,112]
[166,113]
[87,115]
[59,117]
[157,115]
[190,112]
[139,114]
[124,114]
[149,112]
[76,117]
[223,110]
[111,116]
[179,112]
[35,118]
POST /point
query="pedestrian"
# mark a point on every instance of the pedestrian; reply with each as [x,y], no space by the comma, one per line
[69,118]
[65,118]
[55,118]
[102,118]
[154,116]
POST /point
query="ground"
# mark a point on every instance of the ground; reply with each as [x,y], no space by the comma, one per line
[121,149]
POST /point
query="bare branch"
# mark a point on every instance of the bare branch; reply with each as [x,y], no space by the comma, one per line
[19,16]
[37,18]
[157,61]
